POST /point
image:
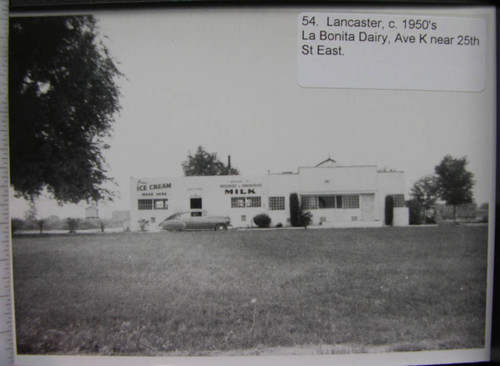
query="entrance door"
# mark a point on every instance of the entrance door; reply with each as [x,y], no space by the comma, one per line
[367,207]
[196,203]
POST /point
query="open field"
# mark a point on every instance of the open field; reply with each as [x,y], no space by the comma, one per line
[348,290]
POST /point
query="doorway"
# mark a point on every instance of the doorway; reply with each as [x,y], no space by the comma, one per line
[196,203]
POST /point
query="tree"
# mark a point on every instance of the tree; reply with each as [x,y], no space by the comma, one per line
[415,211]
[53,222]
[31,219]
[102,225]
[16,224]
[72,223]
[389,210]
[205,163]
[455,182]
[298,217]
[62,96]
[31,214]
[305,218]
[143,223]
[426,192]
[41,224]
[295,209]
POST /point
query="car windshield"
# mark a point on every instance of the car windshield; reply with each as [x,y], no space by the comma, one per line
[173,216]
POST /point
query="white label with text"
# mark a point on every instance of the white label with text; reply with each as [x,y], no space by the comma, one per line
[380,51]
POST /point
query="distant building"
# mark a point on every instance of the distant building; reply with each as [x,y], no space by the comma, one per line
[336,195]
[91,212]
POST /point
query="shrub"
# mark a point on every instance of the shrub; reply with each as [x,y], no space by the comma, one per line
[89,224]
[262,220]
[143,223]
[16,224]
[41,225]
[298,217]
[389,210]
[430,220]
[72,223]
[305,218]
[279,224]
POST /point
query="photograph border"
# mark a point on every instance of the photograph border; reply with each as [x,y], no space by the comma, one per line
[20,7]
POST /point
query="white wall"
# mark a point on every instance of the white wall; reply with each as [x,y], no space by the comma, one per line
[216,193]
[338,179]
[401,216]
[281,185]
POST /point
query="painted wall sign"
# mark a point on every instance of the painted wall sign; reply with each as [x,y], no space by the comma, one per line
[240,191]
[141,186]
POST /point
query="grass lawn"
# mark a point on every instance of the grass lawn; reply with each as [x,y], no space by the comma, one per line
[395,289]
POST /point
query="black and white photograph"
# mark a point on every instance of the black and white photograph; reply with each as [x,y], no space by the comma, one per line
[198,185]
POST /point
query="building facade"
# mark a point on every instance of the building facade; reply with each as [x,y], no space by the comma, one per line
[337,196]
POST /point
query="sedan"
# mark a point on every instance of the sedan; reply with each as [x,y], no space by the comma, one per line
[195,220]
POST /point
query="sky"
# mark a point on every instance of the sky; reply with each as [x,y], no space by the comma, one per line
[226,80]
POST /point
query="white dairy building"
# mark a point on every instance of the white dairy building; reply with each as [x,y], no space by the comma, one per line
[336,195]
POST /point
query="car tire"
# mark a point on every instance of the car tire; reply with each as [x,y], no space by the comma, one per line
[220,227]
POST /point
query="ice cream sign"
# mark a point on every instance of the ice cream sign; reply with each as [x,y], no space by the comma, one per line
[144,187]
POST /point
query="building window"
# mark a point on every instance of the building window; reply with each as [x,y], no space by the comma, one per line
[243,218]
[253,202]
[309,202]
[399,200]
[350,201]
[326,201]
[237,202]
[329,202]
[161,205]
[276,203]
[241,202]
[145,204]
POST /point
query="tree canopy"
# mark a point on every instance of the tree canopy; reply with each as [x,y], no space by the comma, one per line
[62,98]
[426,191]
[205,163]
[454,181]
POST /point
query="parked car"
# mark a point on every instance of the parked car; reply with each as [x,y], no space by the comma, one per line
[195,220]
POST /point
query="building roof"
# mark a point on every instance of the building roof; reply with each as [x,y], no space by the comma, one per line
[326,163]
